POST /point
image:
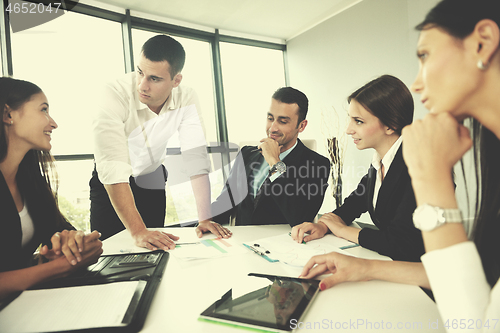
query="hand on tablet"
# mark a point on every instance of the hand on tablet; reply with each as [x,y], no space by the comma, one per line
[343,268]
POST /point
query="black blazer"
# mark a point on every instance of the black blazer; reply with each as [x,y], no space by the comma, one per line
[397,237]
[12,255]
[294,197]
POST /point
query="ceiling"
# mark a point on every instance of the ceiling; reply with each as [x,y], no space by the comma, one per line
[279,19]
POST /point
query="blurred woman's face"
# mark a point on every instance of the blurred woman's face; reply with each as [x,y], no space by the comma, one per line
[32,125]
[448,78]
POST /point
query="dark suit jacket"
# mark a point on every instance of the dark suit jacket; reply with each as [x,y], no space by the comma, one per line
[397,237]
[12,255]
[292,198]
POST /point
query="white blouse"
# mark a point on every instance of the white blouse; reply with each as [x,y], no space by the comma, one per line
[377,161]
[463,296]
[27,227]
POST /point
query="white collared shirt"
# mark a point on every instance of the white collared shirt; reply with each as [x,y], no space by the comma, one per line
[457,279]
[387,161]
[130,139]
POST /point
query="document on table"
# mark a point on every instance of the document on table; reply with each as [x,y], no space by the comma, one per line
[50,310]
[288,251]
[207,248]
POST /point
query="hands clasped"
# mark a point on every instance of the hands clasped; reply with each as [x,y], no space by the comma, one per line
[78,248]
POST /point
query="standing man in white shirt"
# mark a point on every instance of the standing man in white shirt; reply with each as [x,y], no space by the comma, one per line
[136,116]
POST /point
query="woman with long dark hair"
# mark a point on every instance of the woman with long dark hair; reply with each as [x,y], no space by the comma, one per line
[378,111]
[29,215]
[459,78]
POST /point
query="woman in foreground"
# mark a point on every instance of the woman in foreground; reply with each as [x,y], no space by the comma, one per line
[28,207]
[459,77]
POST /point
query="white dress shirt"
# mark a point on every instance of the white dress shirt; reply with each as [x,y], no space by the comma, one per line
[130,139]
[387,161]
[462,294]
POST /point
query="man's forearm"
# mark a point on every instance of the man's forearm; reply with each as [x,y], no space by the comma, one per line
[201,190]
[122,199]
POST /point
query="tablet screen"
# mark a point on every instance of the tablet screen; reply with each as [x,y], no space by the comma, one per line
[269,301]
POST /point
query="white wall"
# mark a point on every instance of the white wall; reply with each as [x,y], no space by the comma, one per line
[330,61]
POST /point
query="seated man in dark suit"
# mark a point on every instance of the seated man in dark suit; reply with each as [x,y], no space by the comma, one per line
[281,181]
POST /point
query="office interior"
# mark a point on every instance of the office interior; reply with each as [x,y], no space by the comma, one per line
[238,53]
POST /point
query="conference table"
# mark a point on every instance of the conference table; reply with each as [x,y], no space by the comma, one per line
[189,287]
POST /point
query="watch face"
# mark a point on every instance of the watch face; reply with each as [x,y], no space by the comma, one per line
[427,217]
[280,167]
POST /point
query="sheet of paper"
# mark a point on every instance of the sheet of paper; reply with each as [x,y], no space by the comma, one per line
[70,308]
[207,248]
[124,243]
[286,250]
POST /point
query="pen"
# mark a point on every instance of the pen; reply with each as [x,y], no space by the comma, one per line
[178,244]
[256,251]
[290,234]
[349,246]
[262,254]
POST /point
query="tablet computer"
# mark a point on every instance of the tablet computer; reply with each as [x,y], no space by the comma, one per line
[264,302]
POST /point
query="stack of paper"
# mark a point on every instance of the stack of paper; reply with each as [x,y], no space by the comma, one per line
[72,308]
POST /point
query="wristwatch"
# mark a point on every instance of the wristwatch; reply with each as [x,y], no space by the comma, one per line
[427,217]
[278,167]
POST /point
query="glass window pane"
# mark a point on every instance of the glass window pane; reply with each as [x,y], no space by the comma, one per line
[70,58]
[181,205]
[73,192]
[197,74]
[250,76]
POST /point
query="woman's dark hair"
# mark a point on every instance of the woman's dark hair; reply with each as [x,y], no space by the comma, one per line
[388,99]
[459,18]
[35,170]
[13,94]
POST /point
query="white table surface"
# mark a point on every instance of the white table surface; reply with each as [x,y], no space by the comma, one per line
[189,287]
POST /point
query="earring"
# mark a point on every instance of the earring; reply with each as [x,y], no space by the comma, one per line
[12,122]
[482,66]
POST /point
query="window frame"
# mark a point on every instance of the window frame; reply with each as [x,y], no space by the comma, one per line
[129,22]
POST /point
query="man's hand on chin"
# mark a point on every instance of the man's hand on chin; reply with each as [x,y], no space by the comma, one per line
[270,149]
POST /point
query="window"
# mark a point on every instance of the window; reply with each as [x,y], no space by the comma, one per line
[70,58]
[73,194]
[251,75]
